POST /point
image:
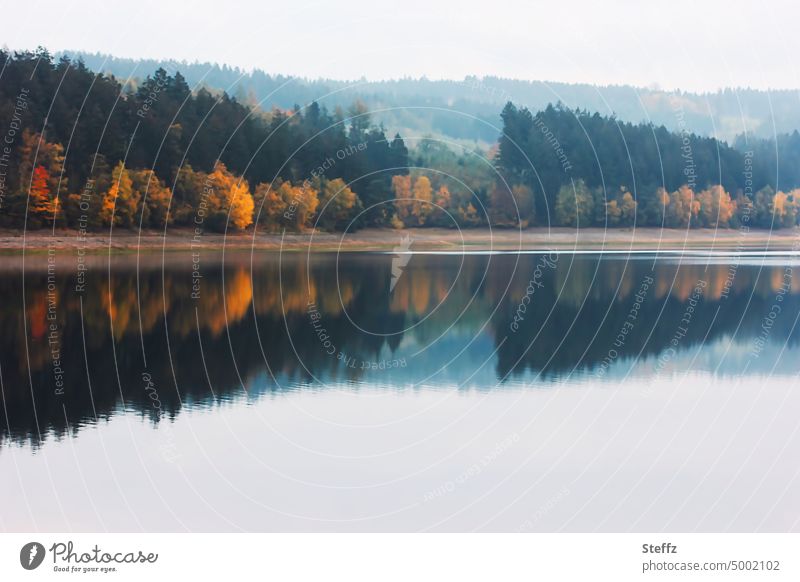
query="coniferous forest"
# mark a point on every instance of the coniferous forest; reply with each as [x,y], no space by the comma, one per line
[84,150]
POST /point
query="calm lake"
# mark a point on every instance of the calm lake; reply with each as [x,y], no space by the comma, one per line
[437,392]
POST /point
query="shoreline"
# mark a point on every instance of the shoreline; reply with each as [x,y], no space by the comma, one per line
[421,239]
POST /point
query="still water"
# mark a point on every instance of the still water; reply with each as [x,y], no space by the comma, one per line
[359,392]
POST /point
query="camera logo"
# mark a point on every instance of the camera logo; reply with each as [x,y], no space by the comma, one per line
[31,555]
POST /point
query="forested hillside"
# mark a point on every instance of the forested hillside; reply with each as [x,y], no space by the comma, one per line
[89,151]
[583,169]
[725,114]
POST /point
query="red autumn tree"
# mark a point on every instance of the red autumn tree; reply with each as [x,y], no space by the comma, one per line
[42,205]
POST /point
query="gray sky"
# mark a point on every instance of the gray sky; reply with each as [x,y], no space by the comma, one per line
[684,44]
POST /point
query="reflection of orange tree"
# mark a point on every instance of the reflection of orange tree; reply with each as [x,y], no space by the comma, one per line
[333,303]
[119,303]
[36,311]
[296,292]
[132,196]
[237,295]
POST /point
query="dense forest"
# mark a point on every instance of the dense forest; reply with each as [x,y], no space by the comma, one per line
[581,169]
[85,150]
[427,106]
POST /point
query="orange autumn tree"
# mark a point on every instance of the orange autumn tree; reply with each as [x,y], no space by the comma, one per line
[401,187]
[716,207]
[440,212]
[39,176]
[154,196]
[302,206]
[412,200]
[682,209]
[423,196]
[338,204]
[226,200]
[269,207]
[43,207]
[121,200]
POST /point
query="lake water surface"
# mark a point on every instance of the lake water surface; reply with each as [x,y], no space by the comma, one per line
[440,392]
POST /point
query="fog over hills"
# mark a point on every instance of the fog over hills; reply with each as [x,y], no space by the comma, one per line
[469,110]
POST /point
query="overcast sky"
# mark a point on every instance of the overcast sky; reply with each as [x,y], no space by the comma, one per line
[679,44]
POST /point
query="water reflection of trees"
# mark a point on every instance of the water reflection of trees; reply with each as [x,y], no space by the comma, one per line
[256,335]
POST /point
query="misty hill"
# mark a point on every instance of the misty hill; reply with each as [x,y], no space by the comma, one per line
[470,109]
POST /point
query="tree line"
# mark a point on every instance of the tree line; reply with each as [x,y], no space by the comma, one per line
[574,168]
[90,151]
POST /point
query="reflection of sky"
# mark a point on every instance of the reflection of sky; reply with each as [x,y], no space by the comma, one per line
[703,453]
[721,357]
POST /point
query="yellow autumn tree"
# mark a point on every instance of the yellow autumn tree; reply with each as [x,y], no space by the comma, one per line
[468,215]
[338,204]
[574,205]
[401,188]
[120,201]
[423,196]
[785,209]
[226,200]
[716,209]
[441,212]
[682,209]
[302,202]
[627,206]
[155,197]
[613,213]
[269,206]
[413,199]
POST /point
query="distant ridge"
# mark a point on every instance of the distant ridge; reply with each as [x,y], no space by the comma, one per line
[724,114]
